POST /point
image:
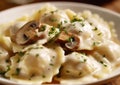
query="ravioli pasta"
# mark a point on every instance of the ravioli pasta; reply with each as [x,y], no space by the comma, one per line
[58,46]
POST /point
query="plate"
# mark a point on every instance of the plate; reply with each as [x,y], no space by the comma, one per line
[14,13]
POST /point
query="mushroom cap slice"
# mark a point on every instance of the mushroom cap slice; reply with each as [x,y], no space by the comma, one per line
[27,34]
[69,40]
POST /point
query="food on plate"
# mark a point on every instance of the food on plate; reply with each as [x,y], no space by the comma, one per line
[56,46]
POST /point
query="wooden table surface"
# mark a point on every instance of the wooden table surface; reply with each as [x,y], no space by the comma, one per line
[113,5]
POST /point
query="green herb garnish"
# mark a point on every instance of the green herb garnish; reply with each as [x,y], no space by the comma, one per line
[103,63]
[37,55]
[71,39]
[95,29]
[17,71]
[43,28]
[21,54]
[99,34]
[75,19]
[51,64]
[43,76]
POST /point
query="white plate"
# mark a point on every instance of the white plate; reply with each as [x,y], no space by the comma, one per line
[14,13]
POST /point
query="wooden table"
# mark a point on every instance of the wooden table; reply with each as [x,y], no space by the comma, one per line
[113,5]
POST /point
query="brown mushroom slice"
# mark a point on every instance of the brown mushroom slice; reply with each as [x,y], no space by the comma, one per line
[73,43]
[70,40]
[63,37]
[27,33]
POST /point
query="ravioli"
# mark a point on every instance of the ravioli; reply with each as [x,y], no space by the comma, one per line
[36,63]
[58,46]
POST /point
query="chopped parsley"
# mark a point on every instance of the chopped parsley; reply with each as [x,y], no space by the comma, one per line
[82,24]
[8,68]
[95,29]
[37,55]
[52,30]
[35,48]
[96,43]
[21,54]
[71,39]
[73,24]
[59,25]
[80,31]
[65,21]
[2,73]
[53,57]
[51,64]
[99,34]
[91,23]
[75,19]
[104,64]
[84,53]
[43,28]
[52,12]
[43,76]
[17,71]
[18,60]
[83,61]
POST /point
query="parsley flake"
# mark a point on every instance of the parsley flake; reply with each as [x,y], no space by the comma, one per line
[65,21]
[43,76]
[71,39]
[99,34]
[96,43]
[52,30]
[104,64]
[51,64]
[17,71]
[43,28]
[95,29]
[75,19]
[18,60]
[59,25]
[37,55]
[21,54]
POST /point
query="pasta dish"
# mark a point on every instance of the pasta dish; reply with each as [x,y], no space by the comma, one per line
[58,46]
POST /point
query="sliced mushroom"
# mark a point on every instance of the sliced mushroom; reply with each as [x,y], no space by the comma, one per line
[27,34]
[63,37]
[70,40]
[74,42]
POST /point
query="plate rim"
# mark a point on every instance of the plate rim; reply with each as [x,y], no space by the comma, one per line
[65,2]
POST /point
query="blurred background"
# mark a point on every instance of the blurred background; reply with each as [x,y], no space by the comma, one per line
[109,4]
